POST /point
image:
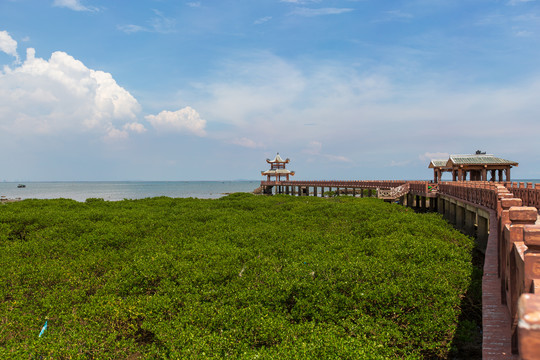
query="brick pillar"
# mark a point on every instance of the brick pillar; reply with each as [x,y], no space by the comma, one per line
[505,245]
[531,237]
[520,217]
[529,327]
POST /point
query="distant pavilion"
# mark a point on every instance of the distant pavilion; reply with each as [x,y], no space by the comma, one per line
[277,169]
[474,167]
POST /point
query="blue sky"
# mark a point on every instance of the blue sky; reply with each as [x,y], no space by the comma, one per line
[207,90]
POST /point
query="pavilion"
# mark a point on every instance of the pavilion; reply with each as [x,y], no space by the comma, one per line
[475,167]
[277,169]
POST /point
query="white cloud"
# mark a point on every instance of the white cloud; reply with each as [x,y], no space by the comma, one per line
[157,24]
[135,127]
[194,4]
[61,95]
[300,1]
[130,29]
[517,2]
[395,163]
[245,142]
[183,120]
[308,12]
[73,5]
[428,156]
[314,148]
[8,45]
[262,20]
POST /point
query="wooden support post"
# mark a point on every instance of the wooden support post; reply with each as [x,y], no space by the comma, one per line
[460,217]
[452,213]
[315,191]
[482,233]
[470,221]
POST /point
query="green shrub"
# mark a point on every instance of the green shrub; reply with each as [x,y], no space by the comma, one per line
[243,276]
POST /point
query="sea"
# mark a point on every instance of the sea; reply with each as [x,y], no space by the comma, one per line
[120,190]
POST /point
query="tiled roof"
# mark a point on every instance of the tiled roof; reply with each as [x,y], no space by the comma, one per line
[277,159]
[277,171]
[438,163]
[481,159]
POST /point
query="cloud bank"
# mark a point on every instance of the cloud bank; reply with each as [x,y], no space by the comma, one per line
[74,5]
[8,45]
[61,94]
[185,120]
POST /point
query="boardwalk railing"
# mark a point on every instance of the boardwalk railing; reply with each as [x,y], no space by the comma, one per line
[510,212]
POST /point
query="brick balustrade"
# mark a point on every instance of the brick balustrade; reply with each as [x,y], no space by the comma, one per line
[511,282]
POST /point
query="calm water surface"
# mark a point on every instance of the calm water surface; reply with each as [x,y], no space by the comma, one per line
[113,191]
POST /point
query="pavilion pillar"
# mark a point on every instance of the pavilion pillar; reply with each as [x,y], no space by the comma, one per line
[354,192]
[484,174]
[460,174]
[508,174]
[500,171]
[322,191]
[292,191]
[435,175]
[454,173]
[315,191]
[492,175]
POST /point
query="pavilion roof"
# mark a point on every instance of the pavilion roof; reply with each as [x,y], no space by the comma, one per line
[437,163]
[277,171]
[478,159]
[277,159]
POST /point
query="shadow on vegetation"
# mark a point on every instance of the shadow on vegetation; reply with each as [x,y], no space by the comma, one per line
[467,342]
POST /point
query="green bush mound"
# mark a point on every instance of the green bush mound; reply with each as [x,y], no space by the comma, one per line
[243,276]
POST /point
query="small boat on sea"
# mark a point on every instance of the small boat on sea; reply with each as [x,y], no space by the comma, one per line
[21,186]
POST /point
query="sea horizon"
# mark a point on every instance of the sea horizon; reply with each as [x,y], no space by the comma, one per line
[120,190]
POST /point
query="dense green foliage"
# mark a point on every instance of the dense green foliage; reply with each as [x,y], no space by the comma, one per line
[243,276]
